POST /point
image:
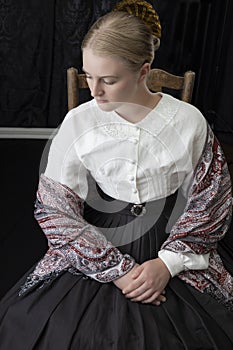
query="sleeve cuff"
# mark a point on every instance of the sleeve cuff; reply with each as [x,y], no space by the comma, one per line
[177,262]
[115,272]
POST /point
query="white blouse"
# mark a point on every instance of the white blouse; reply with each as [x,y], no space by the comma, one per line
[133,162]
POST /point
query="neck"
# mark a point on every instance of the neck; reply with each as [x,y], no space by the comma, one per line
[134,112]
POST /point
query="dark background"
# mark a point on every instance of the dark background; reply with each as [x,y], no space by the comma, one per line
[39,40]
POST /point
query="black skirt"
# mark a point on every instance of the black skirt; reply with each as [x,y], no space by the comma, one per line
[75,312]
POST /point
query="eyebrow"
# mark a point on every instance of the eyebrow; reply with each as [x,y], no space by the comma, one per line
[104,76]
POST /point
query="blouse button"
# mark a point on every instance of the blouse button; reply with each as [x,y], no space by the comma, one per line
[135,190]
[134,141]
[131,177]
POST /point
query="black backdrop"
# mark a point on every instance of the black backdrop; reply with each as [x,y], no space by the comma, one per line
[39,40]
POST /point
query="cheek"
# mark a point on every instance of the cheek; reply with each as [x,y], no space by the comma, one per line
[125,89]
[115,92]
[130,85]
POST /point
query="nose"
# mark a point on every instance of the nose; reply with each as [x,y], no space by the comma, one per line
[96,89]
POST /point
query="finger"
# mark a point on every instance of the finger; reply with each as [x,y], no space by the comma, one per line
[133,286]
[157,301]
[137,288]
[137,292]
[137,272]
[161,298]
[144,296]
[155,298]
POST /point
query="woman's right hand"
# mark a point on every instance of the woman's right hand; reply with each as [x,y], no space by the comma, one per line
[125,280]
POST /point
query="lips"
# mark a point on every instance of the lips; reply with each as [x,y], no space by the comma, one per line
[101,101]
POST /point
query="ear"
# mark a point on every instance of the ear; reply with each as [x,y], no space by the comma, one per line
[144,71]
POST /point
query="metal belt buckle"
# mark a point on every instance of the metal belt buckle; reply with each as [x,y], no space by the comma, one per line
[138,209]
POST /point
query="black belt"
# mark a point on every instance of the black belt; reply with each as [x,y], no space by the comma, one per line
[152,208]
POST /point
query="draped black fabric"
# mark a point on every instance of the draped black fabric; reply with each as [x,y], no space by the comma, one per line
[39,40]
[213,88]
[26,60]
[223,98]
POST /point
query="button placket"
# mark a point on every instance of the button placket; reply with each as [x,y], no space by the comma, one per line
[134,139]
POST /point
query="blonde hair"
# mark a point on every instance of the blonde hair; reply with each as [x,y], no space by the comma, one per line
[121,35]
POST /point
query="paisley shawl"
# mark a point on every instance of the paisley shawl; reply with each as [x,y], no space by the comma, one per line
[205,221]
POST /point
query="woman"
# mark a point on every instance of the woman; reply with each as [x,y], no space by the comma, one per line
[134,199]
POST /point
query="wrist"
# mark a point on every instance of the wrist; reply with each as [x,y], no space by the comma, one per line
[121,282]
[164,267]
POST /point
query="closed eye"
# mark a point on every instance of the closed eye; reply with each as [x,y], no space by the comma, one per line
[104,80]
[109,82]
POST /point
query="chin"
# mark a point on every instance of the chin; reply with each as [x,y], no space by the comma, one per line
[107,106]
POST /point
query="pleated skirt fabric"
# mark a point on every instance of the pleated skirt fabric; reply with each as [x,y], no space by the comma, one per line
[74,312]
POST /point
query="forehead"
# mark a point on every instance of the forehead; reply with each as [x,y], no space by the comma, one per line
[102,65]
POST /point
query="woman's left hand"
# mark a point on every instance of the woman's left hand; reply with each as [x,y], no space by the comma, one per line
[150,280]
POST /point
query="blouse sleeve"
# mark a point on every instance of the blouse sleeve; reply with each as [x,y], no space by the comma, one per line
[63,164]
[177,262]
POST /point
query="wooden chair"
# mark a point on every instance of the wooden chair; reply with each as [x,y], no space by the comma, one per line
[157,80]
